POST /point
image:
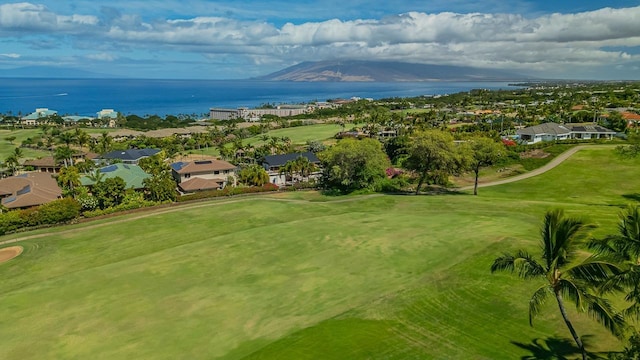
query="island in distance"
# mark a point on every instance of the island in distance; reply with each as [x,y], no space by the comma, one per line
[387,71]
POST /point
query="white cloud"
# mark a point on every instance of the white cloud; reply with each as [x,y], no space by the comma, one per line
[10,56]
[546,43]
[102,57]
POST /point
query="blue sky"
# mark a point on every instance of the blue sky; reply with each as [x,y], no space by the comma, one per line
[199,39]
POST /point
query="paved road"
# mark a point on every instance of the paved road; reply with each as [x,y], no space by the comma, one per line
[553,163]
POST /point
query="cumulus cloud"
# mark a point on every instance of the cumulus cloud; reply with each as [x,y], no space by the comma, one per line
[478,39]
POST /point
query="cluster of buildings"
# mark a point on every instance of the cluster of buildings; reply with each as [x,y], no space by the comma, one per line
[39,186]
[41,116]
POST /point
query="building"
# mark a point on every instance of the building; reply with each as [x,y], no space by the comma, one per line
[38,117]
[256,114]
[273,163]
[201,175]
[133,175]
[109,116]
[131,156]
[559,132]
[29,189]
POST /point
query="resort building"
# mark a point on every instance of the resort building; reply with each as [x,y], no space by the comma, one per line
[29,189]
[38,117]
[256,114]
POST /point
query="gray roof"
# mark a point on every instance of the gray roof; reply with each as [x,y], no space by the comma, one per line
[279,160]
[546,128]
[131,154]
[590,129]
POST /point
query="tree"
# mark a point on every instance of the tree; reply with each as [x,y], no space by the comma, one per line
[624,248]
[566,279]
[81,137]
[10,139]
[64,154]
[67,138]
[69,179]
[160,186]
[12,163]
[484,152]
[354,164]
[434,156]
[253,175]
[110,192]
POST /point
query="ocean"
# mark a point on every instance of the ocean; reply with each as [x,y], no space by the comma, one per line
[173,97]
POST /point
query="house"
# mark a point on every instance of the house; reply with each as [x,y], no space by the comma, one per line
[131,156]
[201,175]
[273,163]
[46,164]
[29,189]
[133,175]
[559,132]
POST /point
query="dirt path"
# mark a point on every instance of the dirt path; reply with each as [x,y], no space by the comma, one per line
[553,163]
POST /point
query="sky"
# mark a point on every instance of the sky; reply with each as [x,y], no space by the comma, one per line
[200,39]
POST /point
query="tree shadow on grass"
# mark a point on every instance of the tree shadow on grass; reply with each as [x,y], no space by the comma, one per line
[633,197]
[554,348]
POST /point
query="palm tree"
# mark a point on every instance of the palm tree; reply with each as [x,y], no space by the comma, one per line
[81,137]
[565,278]
[64,153]
[624,248]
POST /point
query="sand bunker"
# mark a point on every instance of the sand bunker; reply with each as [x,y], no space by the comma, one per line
[9,253]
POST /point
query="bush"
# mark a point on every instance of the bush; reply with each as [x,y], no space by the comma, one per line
[56,212]
[229,191]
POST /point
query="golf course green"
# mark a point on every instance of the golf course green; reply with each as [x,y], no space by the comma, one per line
[303,276]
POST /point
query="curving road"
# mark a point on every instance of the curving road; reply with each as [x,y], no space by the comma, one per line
[553,163]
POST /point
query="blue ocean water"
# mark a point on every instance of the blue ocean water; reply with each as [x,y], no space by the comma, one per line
[163,97]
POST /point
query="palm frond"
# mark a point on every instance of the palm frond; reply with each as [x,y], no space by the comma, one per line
[603,312]
[537,299]
[521,263]
[560,237]
[572,291]
[593,271]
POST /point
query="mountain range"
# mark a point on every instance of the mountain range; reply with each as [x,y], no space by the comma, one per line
[387,71]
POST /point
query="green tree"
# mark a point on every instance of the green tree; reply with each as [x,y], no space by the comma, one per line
[110,192]
[10,139]
[69,179]
[253,175]
[624,248]
[564,277]
[155,164]
[484,152]
[67,138]
[434,156]
[81,137]
[354,164]
[64,154]
[160,186]
[12,163]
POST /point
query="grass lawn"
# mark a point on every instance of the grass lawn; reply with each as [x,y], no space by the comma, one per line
[303,276]
[7,148]
[300,134]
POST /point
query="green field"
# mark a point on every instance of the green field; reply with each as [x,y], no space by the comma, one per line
[7,148]
[303,276]
[300,134]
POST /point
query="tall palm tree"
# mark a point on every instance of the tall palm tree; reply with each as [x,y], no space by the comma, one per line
[565,277]
[624,248]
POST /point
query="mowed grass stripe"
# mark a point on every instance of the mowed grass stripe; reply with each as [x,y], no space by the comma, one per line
[369,277]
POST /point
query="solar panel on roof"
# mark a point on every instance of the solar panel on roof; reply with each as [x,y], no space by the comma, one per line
[202,162]
[110,168]
[24,190]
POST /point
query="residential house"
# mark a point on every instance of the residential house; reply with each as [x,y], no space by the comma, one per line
[29,189]
[133,175]
[558,132]
[48,164]
[201,175]
[273,163]
[131,156]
